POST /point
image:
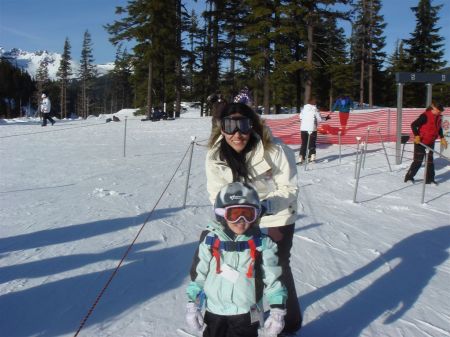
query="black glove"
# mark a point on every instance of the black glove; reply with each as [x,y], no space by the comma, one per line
[327,117]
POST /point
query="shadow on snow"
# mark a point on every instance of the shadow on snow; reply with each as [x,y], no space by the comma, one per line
[58,306]
[393,293]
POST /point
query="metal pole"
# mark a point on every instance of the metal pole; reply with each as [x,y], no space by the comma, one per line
[384,148]
[339,138]
[307,150]
[403,149]
[125,137]
[427,158]
[189,171]
[434,151]
[399,122]
[358,139]
[365,147]
[389,125]
[429,93]
[359,173]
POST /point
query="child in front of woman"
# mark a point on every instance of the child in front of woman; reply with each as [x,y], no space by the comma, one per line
[234,266]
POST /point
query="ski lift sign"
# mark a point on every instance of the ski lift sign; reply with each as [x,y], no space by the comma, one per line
[402,77]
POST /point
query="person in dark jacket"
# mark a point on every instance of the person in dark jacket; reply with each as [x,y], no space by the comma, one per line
[426,129]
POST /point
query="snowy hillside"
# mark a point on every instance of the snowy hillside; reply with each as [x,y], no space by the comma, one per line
[72,202]
[30,61]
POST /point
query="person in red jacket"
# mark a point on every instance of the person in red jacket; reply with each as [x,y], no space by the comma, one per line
[426,129]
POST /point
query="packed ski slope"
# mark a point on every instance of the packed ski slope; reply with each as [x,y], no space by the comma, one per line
[72,203]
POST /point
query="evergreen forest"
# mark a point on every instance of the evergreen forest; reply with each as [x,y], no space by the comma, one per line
[285,52]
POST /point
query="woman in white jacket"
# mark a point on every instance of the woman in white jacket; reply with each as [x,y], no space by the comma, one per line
[242,149]
[309,117]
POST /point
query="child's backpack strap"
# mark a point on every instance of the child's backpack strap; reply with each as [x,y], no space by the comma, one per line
[196,259]
[252,244]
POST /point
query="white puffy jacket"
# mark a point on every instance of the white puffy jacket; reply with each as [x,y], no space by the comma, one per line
[309,116]
[46,105]
[273,174]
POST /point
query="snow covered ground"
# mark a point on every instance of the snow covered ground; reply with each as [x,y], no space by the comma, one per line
[72,203]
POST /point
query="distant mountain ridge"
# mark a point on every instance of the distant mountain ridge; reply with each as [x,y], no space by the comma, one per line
[30,61]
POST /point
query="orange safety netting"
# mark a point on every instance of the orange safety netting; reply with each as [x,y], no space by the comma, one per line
[352,125]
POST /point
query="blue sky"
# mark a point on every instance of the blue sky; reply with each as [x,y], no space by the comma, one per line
[44,24]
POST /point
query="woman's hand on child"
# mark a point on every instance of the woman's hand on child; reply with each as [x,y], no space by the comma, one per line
[194,316]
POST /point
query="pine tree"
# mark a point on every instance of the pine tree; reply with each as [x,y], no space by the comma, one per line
[86,73]
[425,47]
[156,28]
[259,33]
[42,81]
[63,74]
[193,53]
[367,45]
[334,71]
[121,80]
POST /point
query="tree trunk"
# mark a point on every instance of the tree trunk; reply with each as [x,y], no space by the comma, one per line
[149,90]
[266,94]
[309,62]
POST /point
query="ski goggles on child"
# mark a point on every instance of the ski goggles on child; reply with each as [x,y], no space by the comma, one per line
[232,125]
[235,213]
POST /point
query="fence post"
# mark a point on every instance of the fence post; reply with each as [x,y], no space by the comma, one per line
[384,148]
[404,139]
[189,170]
[339,138]
[125,137]
[359,173]
[365,147]
[358,139]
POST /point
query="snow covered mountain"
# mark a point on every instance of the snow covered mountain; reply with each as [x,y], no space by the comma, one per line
[30,61]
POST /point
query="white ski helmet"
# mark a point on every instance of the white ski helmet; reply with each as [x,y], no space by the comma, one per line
[236,193]
[43,95]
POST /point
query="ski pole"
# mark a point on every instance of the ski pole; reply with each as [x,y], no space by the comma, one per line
[428,157]
[307,150]
[384,148]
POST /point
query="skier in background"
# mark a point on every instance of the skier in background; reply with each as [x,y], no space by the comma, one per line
[426,129]
[343,104]
[46,107]
[309,117]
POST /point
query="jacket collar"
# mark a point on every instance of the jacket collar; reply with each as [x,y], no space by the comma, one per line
[255,158]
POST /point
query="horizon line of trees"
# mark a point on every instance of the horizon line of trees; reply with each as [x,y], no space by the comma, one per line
[284,51]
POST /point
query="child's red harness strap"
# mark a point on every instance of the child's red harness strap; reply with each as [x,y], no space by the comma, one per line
[253,254]
[216,246]
[216,254]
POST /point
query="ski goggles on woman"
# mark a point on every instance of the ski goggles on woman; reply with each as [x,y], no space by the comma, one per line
[237,212]
[231,125]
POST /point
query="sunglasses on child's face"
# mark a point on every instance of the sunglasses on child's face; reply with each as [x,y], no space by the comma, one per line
[237,212]
[232,125]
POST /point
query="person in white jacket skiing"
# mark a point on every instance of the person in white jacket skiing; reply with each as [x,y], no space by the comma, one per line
[309,117]
[46,107]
